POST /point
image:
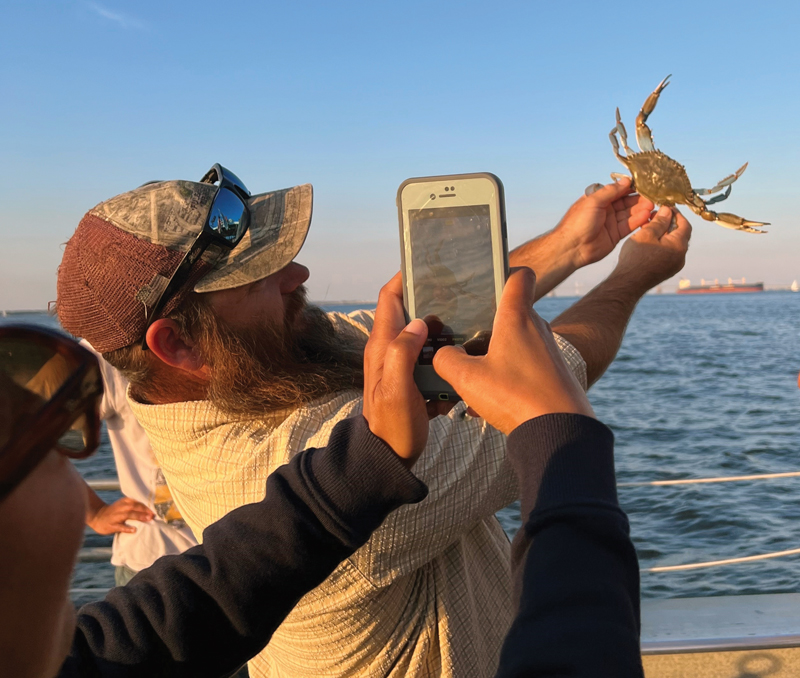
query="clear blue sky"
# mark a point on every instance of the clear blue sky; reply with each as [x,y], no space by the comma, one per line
[355,97]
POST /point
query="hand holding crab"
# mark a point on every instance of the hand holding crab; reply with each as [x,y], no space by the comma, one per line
[655,253]
[661,179]
[597,221]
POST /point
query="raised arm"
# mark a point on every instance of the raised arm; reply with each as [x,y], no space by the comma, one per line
[595,325]
[589,231]
[575,568]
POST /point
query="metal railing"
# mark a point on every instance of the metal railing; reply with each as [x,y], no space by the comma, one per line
[101,554]
[104,484]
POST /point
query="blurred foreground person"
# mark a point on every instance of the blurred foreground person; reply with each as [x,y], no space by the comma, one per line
[42,497]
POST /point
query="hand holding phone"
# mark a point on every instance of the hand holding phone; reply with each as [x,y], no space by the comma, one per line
[455,262]
[523,375]
[393,406]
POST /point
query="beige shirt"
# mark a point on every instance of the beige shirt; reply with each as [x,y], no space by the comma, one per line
[430,592]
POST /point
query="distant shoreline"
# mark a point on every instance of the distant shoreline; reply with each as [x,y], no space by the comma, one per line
[24,311]
[343,302]
[373,304]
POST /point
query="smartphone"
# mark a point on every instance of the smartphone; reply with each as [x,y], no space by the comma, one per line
[454,253]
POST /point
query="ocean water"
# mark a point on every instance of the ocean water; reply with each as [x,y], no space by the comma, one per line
[703,386]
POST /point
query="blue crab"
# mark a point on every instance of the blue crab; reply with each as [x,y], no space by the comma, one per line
[663,180]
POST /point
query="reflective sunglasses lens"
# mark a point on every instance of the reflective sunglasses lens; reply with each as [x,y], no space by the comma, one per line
[227,217]
[236,181]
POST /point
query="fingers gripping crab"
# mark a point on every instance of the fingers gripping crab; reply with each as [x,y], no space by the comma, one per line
[662,180]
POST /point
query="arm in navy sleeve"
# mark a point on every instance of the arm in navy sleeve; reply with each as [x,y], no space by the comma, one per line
[210,609]
[575,567]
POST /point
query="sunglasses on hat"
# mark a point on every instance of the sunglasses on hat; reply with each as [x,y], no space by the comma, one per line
[50,391]
[227,221]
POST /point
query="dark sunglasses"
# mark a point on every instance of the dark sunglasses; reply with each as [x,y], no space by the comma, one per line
[227,221]
[50,391]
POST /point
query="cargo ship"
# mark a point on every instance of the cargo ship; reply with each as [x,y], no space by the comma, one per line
[707,287]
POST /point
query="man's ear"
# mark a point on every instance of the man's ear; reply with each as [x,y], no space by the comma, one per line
[168,345]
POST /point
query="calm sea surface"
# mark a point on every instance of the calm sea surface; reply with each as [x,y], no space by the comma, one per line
[703,386]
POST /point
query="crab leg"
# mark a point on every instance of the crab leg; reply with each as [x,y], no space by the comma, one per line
[615,145]
[726,219]
[644,137]
[718,198]
[727,181]
[623,134]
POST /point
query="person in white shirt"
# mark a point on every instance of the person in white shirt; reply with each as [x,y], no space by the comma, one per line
[145,522]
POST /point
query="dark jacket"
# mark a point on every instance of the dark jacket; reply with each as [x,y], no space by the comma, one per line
[576,573]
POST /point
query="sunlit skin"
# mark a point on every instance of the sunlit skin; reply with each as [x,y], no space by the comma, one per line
[251,305]
[260,301]
[41,530]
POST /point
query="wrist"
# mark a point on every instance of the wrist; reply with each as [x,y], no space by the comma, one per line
[93,511]
[563,251]
[631,284]
[552,256]
[93,521]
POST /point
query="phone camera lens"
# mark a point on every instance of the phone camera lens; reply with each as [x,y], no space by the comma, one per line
[433,196]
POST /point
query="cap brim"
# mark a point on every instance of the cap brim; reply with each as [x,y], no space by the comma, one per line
[279,223]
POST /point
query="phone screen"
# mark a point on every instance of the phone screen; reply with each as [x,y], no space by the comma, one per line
[454,288]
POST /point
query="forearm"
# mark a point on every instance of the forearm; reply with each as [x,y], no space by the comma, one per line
[550,256]
[207,611]
[93,505]
[595,324]
[575,567]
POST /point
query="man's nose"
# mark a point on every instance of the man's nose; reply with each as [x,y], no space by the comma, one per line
[292,276]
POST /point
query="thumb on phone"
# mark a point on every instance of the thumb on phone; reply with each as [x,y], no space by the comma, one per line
[393,406]
[523,374]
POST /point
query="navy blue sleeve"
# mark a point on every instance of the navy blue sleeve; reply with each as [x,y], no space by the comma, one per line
[210,609]
[575,568]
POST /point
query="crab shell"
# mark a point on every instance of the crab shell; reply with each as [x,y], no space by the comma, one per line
[659,178]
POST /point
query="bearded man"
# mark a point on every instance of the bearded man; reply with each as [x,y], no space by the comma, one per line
[192,291]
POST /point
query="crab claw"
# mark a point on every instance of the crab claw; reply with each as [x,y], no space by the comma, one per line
[729,220]
[652,100]
[644,137]
[662,85]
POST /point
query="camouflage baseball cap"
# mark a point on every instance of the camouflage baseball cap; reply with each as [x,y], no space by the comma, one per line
[125,249]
